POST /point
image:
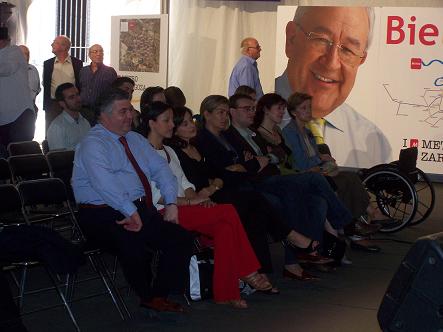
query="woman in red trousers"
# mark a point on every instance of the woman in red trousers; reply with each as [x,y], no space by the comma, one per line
[233,256]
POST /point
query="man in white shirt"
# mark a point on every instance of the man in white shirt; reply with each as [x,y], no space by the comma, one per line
[68,128]
[17,117]
[325,47]
[33,76]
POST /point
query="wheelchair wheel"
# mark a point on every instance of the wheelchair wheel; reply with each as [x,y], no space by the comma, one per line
[426,198]
[394,195]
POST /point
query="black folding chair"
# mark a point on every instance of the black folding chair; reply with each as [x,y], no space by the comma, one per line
[61,164]
[5,172]
[11,206]
[45,146]
[52,192]
[28,167]
[25,147]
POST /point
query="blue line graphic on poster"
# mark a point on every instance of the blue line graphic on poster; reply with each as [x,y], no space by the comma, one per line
[417,63]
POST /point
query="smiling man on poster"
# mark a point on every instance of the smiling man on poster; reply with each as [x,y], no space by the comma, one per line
[325,47]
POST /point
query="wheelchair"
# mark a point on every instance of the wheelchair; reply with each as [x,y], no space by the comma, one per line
[400,190]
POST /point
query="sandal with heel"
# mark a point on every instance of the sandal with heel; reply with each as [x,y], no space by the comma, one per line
[309,254]
[237,304]
[257,282]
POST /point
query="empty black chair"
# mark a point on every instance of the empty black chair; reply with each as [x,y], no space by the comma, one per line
[5,172]
[12,206]
[45,146]
[52,192]
[28,167]
[25,147]
[61,164]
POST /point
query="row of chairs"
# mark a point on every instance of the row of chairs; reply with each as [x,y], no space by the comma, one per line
[56,164]
[27,147]
[45,201]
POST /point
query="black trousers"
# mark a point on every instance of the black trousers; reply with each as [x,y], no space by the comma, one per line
[258,218]
[22,129]
[134,249]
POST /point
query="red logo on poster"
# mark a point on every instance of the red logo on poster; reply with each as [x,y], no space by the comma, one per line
[413,143]
[415,63]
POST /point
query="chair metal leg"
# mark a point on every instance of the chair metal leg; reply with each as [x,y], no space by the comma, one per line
[114,268]
[106,278]
[70,282]
[22,288]
[63,298]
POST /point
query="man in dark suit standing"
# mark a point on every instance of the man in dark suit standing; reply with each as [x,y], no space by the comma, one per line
[58,70]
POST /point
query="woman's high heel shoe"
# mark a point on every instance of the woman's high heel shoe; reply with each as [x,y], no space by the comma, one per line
[237,304]
[309,254]
[256,281]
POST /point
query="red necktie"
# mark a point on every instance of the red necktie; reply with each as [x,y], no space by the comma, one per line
[138,170]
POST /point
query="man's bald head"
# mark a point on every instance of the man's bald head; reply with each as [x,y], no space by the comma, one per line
[25,52]
[250,47]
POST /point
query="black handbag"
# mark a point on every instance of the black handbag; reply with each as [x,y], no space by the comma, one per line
[201,270]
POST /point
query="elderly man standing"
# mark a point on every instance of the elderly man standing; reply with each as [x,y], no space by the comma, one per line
[95,78]
[58,70]
[33,76]
[113,170]
[325,47]
[17,116]
[245,71]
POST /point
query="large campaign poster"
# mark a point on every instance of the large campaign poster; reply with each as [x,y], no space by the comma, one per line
[139,50]
[399,88]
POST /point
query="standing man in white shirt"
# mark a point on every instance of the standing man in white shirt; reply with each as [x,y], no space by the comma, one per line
[33,76]
[17,116]
[58,70]
[325,47]
[68,128]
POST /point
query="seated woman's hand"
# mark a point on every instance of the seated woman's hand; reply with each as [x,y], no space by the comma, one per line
[263,161]
[236,168]
[248,155]
[326,157]
[206,192]
[197,200]
[316,169]
[208,203]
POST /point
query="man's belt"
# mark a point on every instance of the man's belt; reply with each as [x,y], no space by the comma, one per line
[101,206]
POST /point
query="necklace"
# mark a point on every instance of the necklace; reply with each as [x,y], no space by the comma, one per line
[272,137]
[168,157]
[268,131]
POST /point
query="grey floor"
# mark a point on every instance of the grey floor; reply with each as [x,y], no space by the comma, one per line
[343,301]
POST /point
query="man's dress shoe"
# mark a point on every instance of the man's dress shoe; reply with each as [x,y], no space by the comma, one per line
[361,229]
[305,276]
[162,304]
[369,248]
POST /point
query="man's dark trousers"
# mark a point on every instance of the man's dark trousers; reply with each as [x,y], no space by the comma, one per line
[133,249]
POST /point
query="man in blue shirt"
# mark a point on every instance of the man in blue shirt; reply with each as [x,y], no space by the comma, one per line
[245,71]
[113,168]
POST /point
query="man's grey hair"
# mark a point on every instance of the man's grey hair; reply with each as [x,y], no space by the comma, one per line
[108,98]
[67,41]
[301,10]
